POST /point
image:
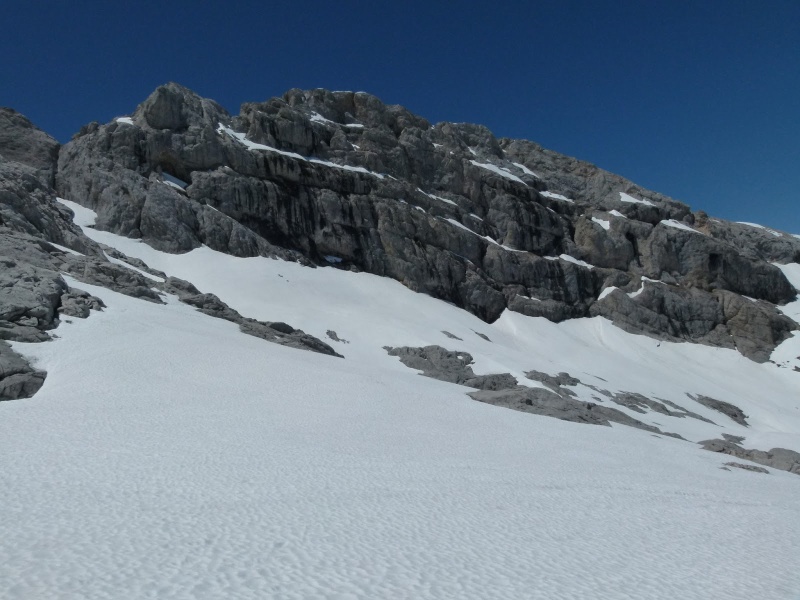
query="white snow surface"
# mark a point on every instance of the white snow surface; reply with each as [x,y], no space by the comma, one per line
[435,197]
[84,217]
[571,259]
[122,263]
[555,196]
[242,139]
[616,213]
[503,172]
[607,291]
[678,225]
[631,200]
[603,223]
[525,170]
[124,120]
[318,118]
[757,226]
[65,249]
[171,456]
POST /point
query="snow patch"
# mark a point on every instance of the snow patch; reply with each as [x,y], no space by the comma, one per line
[460,225]
[678,225]
[84,217]
[757,226]
[240,137]
[124,120]
[318,118]
[555,196]
[607,291]
[65,249]
[570,259]
[434,197]
[604,224]
[503,172]
[631,200]
[526,170]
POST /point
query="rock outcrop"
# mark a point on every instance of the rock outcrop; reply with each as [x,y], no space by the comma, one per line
[339,178]
[39,243]
[445,365]
[777,458]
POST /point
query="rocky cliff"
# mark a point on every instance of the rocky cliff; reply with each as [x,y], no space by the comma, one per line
[341,180]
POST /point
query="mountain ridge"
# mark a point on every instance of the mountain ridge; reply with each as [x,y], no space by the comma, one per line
[440,208]
[270,355]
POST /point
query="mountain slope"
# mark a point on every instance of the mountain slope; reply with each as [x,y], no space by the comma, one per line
[443,209]
[168,454]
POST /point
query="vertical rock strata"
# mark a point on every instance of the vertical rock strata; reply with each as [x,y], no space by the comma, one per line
[339,178]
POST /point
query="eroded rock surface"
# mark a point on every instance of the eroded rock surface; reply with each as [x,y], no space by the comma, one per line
[39,243]
[339,178]
[438,363]
[17,378]
[777,458]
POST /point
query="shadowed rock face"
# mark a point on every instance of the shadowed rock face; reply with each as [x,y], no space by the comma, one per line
[448,210]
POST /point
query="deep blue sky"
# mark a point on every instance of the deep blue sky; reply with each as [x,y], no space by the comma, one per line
[697,100]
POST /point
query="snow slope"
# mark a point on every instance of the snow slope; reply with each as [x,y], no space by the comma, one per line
[168,455]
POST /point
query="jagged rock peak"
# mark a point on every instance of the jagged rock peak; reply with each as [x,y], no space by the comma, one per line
[173,106]
[22,142]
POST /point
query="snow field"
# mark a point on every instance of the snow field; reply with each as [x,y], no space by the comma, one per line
[168,455]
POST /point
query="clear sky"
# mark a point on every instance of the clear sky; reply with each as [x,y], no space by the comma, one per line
[699,100]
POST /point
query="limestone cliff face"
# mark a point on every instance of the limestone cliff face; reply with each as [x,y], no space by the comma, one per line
[340,179]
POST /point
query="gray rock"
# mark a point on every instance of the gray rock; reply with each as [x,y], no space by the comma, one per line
[28,205]
[378,188]
[332,335]
[276,332]
[726,408]
[555,382]
[77,303]
[22,142]
[438,363]
[17,378]
[641,404]
[550,404]
[752,468]
[777,458]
